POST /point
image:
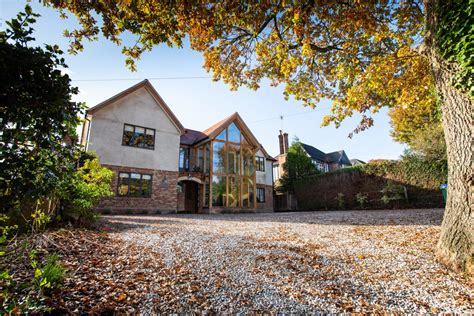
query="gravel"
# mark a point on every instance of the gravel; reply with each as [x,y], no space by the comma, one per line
[320,262]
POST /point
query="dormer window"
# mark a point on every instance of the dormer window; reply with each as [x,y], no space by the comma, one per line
[138,136]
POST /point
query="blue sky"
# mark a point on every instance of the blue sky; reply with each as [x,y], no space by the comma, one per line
[199,103]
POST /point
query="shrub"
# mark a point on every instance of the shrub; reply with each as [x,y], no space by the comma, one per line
[362,199]
[82,192]
[341,203]
[392,192]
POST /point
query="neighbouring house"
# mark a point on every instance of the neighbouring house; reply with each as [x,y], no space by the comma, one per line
[357,162]
[162,167]
[324,162]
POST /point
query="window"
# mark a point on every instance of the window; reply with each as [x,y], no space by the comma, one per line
[261,195]
[233,133]
[137,136]
[260,163]
[233,192]
[183,159]
[134,184]
[233,158]
[218,191]
[222,135]
[218,159]
[247,161]
[247,193]
[321,166]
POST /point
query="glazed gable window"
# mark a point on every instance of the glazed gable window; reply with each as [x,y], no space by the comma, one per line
[134,184]
[137,136]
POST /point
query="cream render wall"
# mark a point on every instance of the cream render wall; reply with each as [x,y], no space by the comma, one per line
[265,177]
[137,108]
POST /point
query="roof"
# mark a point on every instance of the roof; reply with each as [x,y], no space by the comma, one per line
[219,125]
[265,153]
[338,157]
[333,157]
[314,152]
[191,136]
[357,162]
[149,87]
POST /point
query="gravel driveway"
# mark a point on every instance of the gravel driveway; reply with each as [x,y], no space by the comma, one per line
[345,261]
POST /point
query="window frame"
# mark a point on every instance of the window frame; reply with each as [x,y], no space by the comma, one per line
[128,195]
[260,162]
[145,128]
[257,195]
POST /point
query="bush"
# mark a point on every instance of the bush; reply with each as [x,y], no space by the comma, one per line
[361,199]
[340,201]
[392,192]
[83,191]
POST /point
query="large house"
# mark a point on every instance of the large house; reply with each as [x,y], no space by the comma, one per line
[162,167]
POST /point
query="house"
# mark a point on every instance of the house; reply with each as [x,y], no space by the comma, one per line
[356,162]
[162,167]
[324,162]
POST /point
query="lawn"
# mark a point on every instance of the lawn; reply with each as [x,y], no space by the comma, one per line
[345,261]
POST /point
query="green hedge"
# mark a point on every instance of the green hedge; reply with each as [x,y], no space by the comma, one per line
[407,183]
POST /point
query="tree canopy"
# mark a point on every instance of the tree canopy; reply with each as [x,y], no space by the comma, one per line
[362,55]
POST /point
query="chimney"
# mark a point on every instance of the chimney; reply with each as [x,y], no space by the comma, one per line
[282,146]
[285,141]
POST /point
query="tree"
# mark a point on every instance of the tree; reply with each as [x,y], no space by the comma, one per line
[429,143]
[37,116]
[363,55]
[298,165]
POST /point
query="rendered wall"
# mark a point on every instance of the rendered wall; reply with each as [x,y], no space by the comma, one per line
[138,108]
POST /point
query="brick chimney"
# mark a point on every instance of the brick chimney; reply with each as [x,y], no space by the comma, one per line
[280,141]
[283,141]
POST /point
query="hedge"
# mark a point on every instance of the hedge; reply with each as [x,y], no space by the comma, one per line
[411,182]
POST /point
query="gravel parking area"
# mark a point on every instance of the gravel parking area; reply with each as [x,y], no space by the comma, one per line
[345,261]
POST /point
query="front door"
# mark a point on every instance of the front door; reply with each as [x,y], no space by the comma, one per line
[191,196]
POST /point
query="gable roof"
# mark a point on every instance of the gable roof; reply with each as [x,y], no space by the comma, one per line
[333,157]
[339,157]
[314,152]
[219,126]
[214,130]
[149,87]
[191,137]
[357,162]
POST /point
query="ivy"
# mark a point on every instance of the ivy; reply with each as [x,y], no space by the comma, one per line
[455,40]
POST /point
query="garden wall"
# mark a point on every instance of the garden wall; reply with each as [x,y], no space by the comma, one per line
[407,183]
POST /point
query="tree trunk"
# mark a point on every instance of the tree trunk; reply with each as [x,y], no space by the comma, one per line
[455,246]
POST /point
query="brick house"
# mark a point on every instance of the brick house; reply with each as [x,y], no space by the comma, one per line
[324,162]
[162,167]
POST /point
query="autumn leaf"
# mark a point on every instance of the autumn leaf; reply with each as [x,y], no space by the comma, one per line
[121,297]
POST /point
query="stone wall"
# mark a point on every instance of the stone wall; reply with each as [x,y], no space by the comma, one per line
[163,199]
